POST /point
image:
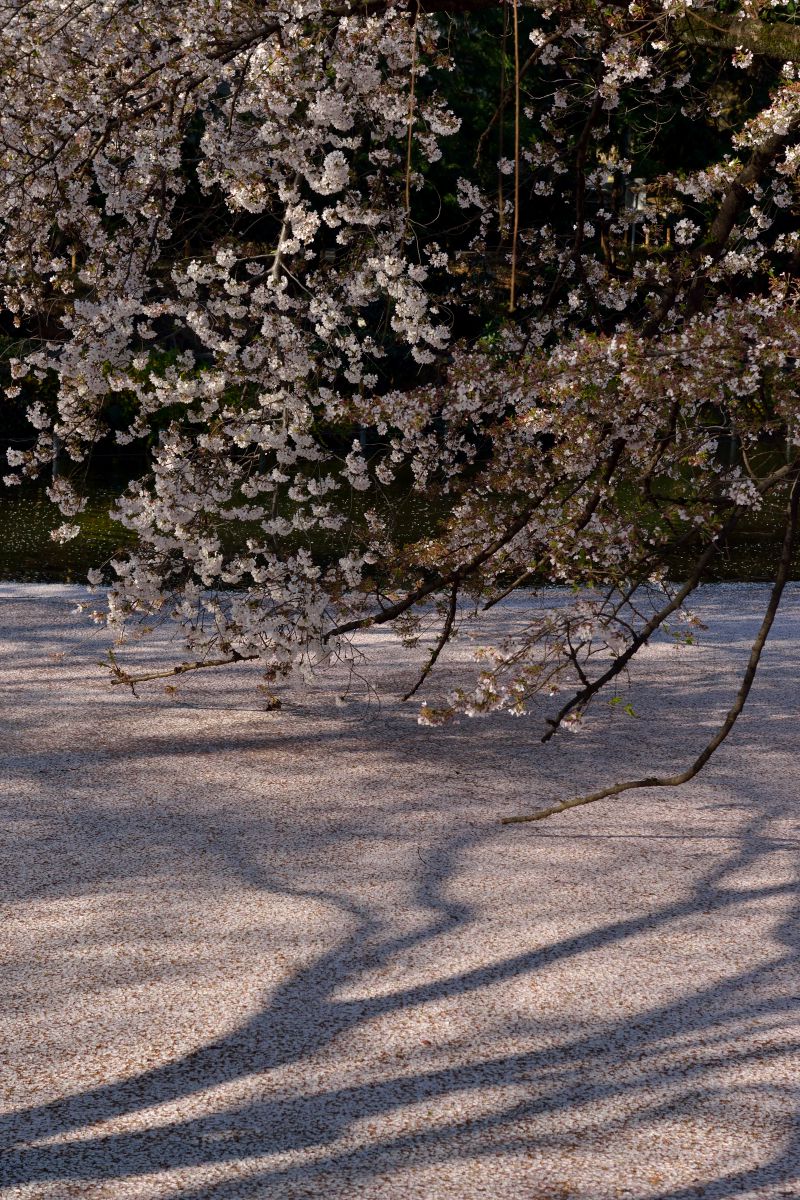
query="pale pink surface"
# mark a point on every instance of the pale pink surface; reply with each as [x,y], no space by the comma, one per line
[292,954]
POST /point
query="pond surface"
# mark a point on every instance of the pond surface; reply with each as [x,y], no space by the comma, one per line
[28,554]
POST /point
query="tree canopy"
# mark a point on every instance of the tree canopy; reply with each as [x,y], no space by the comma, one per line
[533,264]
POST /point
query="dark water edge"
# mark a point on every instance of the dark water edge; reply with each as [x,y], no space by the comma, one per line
[29,555]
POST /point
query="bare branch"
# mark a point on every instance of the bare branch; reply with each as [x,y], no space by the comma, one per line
[121,676]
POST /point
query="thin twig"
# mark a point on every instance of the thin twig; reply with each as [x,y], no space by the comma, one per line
[500,110]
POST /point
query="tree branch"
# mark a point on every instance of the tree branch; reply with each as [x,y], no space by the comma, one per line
[582,698]
[722,225]
[444,637]
[427,589]
[610,466]
[735,709]
[121,676]
[501,107]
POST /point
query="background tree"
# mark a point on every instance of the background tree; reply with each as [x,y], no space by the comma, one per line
[290,241]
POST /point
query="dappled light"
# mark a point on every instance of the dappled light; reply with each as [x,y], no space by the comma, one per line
[285,953]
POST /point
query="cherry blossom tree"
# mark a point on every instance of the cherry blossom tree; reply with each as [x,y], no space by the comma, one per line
[318,278]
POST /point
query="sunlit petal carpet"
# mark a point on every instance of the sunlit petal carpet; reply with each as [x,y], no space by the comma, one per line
[256,954]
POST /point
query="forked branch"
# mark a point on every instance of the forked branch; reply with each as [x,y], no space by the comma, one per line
[120,676]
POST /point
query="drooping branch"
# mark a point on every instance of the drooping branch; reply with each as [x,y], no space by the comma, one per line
[781,577]
[392,611]
[454,577]
[582,697]
[588,512]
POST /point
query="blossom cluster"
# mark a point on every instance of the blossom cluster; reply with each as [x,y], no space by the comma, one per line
[218,219]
